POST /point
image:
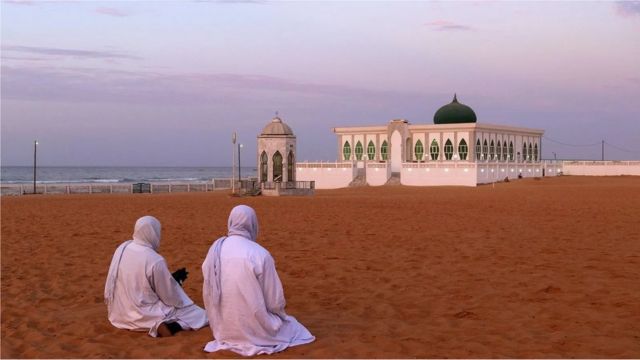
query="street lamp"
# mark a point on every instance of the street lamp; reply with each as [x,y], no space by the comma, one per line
[239,169]
[555,157]
[35,151]
[233,163]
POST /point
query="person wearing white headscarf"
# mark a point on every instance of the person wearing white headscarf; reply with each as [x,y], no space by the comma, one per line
[243,295]
[140,292]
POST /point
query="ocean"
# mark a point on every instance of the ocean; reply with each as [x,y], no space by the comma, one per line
[91,174]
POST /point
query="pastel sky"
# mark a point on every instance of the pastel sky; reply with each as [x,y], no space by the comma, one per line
[165,83]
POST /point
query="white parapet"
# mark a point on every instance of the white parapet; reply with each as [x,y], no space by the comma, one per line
[441,173]
[378,173]
[327,175]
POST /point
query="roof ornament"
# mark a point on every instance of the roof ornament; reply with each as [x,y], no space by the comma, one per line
[455,98]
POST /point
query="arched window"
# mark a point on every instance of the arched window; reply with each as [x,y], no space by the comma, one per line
[524,152]
[384,150]
[504,151]
[510,150]
[485,151]
[530,152]
[498,151]
[277,167]
[359,150]
[346,151]
[463,149]
[492,151]
[290,164]
[448,150]
[371,150]
[478,150]
[419,150]
[264,167]
[434,150]
[535,152]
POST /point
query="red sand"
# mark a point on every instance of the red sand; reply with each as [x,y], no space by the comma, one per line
[532,268]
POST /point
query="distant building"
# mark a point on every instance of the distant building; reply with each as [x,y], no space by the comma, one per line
[454,150]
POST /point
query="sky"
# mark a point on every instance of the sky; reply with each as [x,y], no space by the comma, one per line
[166,83]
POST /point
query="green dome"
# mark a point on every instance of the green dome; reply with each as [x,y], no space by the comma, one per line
[454,113]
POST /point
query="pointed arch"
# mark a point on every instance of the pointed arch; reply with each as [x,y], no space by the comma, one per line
[277,167]
[419,150]
[485,150]
[492,150]
[463,149]
[434,150]
[384,150]
[291,162]
[478,150]
[448,149]
[371,150]
[499,151]
[535,152]
[504,151]
[530,152]
[264,167]
[359,150]
[510,150]
[346,150]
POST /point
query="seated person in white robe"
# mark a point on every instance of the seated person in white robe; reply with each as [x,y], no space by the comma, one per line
[243,295]
[141,293]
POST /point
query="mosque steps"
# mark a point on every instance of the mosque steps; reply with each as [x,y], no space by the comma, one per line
[394,179]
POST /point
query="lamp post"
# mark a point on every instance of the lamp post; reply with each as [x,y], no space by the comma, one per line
[233,163]
[35,151]
[239,169]
[555,157]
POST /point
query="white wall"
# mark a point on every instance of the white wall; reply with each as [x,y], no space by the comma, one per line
[601,168]
[326,177]
[441,175]
[378,174]
[492,172]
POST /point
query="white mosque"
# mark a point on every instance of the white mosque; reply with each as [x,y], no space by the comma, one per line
[454,150]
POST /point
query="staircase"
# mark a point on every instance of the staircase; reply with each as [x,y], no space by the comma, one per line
[360,179]
[394,179]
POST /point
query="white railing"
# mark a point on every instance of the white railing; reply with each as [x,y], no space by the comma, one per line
[322,164]
[124,188]
[601,163]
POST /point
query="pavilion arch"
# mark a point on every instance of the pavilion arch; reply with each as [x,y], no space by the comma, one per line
[291,162]
[485,150]
[478,150]
[510,150]
[504,151]
[463,149]
[434,150]
[359,150]
[277,167]
[384,150]
[419,150]
[264,167]
[346,151]
[371,150]
[448,149]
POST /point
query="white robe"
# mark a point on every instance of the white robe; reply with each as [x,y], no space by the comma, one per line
[141,293]
[244,298]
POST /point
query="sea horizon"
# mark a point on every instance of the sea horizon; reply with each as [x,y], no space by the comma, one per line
[19,174]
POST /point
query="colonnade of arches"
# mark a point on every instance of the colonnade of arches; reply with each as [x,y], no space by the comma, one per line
[418,150]
[277,167]
[503,152]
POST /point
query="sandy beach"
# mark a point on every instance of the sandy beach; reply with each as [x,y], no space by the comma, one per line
[527,269]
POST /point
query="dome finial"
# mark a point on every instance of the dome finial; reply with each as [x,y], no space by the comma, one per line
[455,97]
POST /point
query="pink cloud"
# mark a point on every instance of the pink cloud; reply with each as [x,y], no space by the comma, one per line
[446,25]
[111,12]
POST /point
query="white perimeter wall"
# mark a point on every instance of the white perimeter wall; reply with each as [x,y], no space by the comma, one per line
[430,175]
[492,172]
[326,175]
[601,168]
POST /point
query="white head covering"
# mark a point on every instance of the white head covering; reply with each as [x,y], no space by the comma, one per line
[146,233]
[242,222]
